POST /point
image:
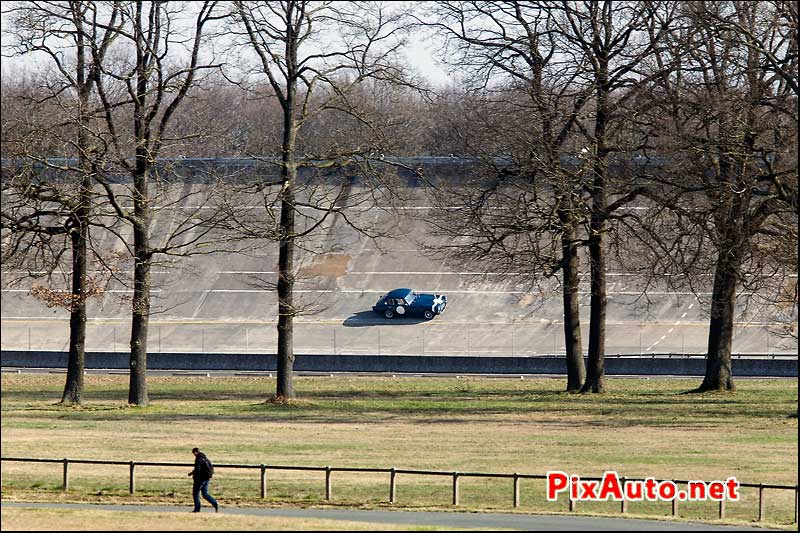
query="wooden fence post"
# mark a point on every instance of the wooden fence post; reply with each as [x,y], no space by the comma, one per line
[65,482]
[675,501]
[455,488]
[132,484]
[328,483]
[722,508]
[392,485]
[516,489]
[572,504]
[263,481]
[624,505]
[761,503]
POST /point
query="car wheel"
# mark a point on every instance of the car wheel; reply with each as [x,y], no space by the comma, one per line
[388,313]
[428,314]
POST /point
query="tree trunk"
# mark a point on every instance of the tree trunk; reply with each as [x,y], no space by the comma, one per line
[137,391]
[595,373]
[142,257]
[79,237]
[285,296]
[576,370]
[720,333]
[73,387]
[286,310]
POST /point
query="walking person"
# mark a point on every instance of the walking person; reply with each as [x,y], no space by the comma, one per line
[202,474]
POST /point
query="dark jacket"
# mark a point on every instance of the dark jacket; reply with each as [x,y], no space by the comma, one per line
[202,468]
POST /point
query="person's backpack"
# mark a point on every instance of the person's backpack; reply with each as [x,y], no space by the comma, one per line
[206,467]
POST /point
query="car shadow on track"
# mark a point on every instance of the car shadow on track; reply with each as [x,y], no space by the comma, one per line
[364,319]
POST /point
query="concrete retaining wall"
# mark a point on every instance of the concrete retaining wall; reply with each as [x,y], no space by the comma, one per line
[615,365]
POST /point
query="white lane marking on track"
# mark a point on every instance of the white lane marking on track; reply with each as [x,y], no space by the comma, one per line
[678,323]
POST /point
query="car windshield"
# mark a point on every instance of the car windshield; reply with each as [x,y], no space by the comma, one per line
[396,299]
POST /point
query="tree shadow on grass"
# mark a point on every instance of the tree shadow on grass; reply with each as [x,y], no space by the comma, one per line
[466,410]
[426,418]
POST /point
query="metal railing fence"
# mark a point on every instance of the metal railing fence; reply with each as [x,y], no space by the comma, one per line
[522,339]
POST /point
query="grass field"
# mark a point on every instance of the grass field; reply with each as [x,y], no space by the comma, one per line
[643,427]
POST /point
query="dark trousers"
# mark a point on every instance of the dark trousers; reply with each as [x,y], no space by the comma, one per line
[201,487]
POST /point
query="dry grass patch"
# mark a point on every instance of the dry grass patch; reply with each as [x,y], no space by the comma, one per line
[642,428]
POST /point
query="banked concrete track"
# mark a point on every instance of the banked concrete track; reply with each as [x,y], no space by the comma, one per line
[226,303]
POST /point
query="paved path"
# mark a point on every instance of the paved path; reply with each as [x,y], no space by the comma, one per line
[426,518]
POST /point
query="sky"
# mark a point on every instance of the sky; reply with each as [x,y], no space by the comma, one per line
[422,56]
[420,53]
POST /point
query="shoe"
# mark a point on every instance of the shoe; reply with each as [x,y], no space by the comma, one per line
[196,511]
[216,507]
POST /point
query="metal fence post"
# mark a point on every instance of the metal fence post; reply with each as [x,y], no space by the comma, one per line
[392,485]
[263,481]
[455,488]
[132,484]
[65,483]
[796,506]
[516,488]
[328,483]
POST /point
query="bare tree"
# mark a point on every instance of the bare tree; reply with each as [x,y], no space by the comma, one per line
[40,209]
[613,43]
[315,56]
[728,117]
[562,72]
[161,56]
[521,125]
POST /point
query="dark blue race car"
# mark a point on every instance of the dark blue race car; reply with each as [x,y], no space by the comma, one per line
[405,302]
